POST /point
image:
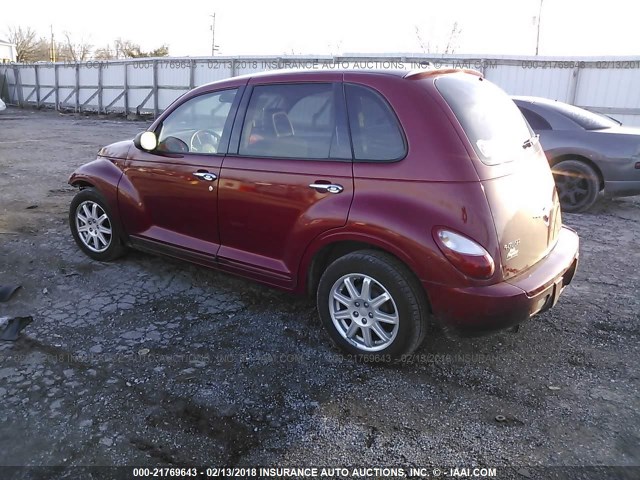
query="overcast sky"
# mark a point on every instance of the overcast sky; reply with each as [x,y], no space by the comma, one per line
[276,27]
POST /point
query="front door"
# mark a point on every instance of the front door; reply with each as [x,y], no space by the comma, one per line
[288,181]
[174,188]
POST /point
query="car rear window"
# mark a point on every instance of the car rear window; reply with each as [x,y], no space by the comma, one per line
[535,120]
[586,119]
[494,125]
[375,131]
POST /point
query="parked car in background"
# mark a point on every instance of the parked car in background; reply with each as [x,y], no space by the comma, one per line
[394,197]
[588,152]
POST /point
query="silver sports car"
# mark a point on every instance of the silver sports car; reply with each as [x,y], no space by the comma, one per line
[588,152]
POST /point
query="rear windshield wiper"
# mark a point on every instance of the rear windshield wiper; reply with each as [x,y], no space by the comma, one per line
[530,142]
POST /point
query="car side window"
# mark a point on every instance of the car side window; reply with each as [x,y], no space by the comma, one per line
[536,121]
[375,131]
[197,125]
[293,121]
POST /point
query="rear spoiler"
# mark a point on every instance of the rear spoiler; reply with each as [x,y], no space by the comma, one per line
[423,73]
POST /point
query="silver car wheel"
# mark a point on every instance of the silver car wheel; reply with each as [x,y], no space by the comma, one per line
[94,226]
[364,312]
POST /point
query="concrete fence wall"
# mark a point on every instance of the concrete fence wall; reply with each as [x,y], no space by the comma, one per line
[610,85]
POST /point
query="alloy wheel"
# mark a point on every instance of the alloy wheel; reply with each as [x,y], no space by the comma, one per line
[94,226]
[572,187]
[364,312]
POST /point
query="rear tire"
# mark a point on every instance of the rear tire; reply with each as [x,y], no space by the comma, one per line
[371,305]
[93,227]
[577,183]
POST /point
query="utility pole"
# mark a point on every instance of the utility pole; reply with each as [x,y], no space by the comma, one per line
[214,47]
[52,53]
[538,37]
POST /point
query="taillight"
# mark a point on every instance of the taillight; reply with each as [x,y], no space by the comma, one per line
[466,255]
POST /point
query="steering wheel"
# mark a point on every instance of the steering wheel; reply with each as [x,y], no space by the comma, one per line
[204,141]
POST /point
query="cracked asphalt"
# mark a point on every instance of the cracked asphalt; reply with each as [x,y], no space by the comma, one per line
[151,361]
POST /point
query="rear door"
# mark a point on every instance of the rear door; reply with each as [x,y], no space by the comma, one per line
[512,168]
[287,178]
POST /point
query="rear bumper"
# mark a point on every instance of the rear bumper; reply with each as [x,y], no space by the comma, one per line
[477,310]
[623,188]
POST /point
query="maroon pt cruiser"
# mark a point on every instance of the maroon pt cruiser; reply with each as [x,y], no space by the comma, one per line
[396,197]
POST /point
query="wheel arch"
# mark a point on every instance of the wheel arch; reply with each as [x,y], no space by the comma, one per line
[81,184]
[103,176]
[117,245]
[318,258]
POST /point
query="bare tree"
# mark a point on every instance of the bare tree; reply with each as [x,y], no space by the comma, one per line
[335,47]
[126,49]
[43,50]
[449,48]
[28,47]
[105,53]
[538,22]
[129,49]
[424,46]
[452,42]
[161,51]
[71,51]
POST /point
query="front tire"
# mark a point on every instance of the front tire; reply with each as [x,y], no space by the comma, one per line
[371,304]
[93,227]
[578,185]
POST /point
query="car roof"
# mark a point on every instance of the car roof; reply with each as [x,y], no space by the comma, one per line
[318,74]
[328,71]
[399,72]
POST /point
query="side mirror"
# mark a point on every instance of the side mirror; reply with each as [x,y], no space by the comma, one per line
[146,141]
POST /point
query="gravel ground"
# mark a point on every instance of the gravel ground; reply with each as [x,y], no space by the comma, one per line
[149,361]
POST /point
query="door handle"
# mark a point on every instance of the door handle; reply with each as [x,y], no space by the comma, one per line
[327,187]
[208,176]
